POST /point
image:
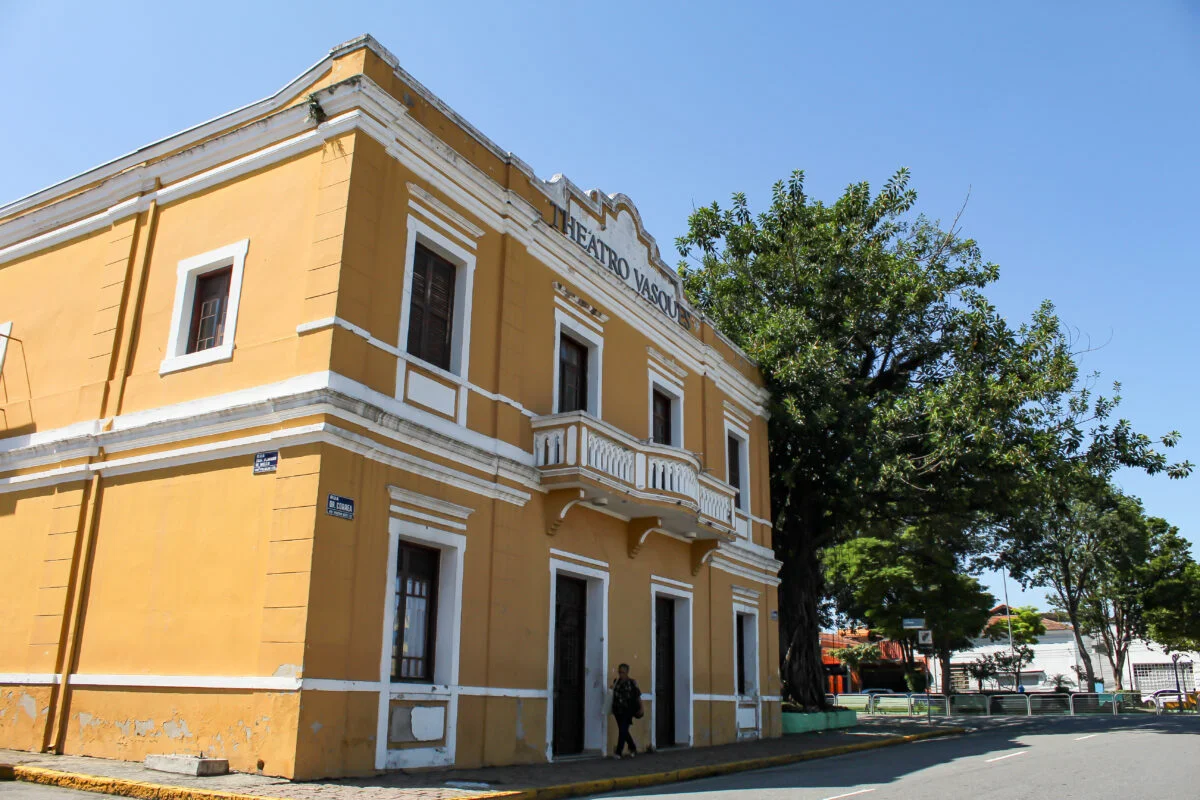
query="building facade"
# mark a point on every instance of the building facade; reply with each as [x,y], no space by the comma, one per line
[1148,667]
[333,440]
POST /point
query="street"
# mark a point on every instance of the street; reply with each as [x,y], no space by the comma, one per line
[1071,758]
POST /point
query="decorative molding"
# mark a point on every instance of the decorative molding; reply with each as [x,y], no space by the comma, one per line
[446,211]
[663,361]
[443,507]
[637,531]
[595,562]
[557,504]
[580,303]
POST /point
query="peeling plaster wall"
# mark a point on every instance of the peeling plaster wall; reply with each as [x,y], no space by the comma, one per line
[23,713]
[242,727]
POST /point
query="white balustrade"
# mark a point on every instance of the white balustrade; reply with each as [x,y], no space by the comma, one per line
[717,506]
[548,447]
[604,455]
[669,475]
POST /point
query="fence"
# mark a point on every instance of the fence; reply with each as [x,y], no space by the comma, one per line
[1014,704]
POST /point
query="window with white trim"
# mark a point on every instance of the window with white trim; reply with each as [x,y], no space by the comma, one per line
[208,290]
[578,362]
[745,632]
[737,468]
[435,311]
[422,622]
[666,411]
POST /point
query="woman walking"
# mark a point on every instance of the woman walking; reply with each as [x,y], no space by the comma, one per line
[626,707]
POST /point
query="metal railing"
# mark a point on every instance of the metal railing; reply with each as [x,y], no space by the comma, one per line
[1012,704]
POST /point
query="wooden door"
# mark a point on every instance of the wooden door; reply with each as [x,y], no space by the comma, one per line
[570,629]
[664,672]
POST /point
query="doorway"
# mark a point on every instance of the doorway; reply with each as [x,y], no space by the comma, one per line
[570,637]
[664,671]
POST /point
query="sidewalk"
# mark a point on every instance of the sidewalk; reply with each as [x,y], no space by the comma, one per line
[542,781]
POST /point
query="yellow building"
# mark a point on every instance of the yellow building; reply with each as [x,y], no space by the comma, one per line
[333,440]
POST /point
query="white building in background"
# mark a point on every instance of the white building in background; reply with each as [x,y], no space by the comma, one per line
[1148,667]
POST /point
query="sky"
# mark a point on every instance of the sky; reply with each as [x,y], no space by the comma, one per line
[1072,126]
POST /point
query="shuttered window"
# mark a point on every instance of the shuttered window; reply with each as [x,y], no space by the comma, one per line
[209,305]
[415,628]
[572,375]
[733,452]
[661,411]
[431,313]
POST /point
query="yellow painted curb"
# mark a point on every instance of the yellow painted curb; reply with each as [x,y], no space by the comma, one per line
[122,786]
[714,770]
[155,791]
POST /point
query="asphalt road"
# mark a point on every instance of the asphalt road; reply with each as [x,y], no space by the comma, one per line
[1071,758]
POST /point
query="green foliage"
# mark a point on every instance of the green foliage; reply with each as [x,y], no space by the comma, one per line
[880,581]
[1172,595]
[855,655]
[899,394]
[983,668]
[1012,661]
[1026,624]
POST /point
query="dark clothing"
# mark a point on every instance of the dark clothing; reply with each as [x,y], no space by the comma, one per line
[627,697]
[627,701]
[623,737]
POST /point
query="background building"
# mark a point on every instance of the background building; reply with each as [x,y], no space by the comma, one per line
[334,440]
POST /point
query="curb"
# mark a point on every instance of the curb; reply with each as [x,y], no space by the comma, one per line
[153,791]
[119,786]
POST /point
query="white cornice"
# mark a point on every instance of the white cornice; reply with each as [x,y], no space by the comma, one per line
[359,104]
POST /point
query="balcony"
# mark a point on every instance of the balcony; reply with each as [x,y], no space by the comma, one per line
[586,460]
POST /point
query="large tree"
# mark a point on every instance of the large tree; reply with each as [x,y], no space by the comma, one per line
[898,392]
[1059,531]
[1172,598]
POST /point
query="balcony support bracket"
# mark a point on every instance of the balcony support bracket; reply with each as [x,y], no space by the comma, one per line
[702,553]
[638,530]
[558,503]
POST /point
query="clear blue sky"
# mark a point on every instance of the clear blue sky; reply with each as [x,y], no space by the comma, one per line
[1074,125]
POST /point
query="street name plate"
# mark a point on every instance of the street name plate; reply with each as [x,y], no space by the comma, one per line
[341,507]
[914,623]
[266,462]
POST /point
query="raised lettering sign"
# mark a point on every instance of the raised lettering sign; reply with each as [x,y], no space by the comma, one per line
[642,277]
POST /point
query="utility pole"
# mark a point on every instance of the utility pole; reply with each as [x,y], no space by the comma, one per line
[1008,616]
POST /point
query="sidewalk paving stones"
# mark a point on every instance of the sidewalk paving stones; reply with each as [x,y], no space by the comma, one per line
[560,779]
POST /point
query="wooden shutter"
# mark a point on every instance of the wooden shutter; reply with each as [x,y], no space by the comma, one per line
[733,452]
[431,310]
[661,409]
[572,375]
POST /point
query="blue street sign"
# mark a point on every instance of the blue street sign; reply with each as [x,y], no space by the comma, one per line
[338,506]
[266,462]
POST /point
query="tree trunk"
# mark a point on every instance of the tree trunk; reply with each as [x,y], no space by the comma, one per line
[944,660]
[800,590]
[1088,669]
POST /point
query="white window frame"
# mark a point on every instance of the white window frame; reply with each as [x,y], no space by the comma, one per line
[5,332]
[685,691]
[591,339]
[420,232]
[451,549]
[595,734]
[743,436]
[746,615]
[674,391]
[187,272]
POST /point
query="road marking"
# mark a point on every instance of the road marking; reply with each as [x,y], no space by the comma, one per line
[1010,755]
[850,794]
[1081,738]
